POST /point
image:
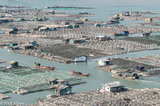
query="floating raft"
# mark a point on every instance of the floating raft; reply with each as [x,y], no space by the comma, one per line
[2,96]
[20,91]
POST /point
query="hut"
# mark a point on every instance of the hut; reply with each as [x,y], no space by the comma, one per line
[84,19]
[140,68]
[148,19]
[54,82]
[2,32]
[127,13]
[103,62]
[84,13]
[13,64]
[34,43]
[12,31]
[10,45]
[76,26]
[27,47]
[74,41]
[80,59]
[113,21]
[65,23]
[146,34]
[15,48]
[112,87]
[64,90]
[69,26]
[121,14]
[43,29]
[97,25]
[100,38]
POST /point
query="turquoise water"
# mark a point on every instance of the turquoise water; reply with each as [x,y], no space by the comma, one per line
[93,82]
[102,8]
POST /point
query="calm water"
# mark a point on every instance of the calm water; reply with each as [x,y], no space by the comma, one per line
[102,9]
[93,82]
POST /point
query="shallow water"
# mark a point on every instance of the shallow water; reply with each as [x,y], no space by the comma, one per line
[93,82]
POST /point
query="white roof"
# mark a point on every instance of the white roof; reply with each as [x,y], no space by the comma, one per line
[103,60]
[114,84]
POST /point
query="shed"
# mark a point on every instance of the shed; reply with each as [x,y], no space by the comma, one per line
[100,38]
[52,81]
[27,46]
[148,19]
[103,62]
[65,23]
[112,87]
[12,44]
[52,28]
[75,41]
[12,30]
[43,29]
[84,13]
[76,26]
[2,32]
[13,64]
[15,48]
[69,26]
[113,21]
[97,25]
[34,43]
[121,14]
[64,90]
[140,68]
[80,59]
[146,34]
[84,19]
[127,14]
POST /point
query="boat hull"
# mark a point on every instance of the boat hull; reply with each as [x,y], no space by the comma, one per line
[83,74]
[44,68]
[121,77]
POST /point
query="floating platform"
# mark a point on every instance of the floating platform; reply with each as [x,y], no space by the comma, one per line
[2,96]
[20,91]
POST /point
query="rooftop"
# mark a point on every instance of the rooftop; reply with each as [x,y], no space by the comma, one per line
[114,84]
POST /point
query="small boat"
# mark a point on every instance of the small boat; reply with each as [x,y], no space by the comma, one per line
[125,76]
[79,73]
[38,66]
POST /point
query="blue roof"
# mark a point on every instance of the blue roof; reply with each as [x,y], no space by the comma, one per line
[100,36]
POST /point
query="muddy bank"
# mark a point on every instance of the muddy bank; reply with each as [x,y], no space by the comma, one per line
[128,65]
[143,40]
[132,97]
[62,52]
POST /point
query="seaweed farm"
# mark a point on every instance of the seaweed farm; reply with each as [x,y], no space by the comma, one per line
[25,77]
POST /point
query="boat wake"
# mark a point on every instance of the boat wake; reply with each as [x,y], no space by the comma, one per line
[149,81]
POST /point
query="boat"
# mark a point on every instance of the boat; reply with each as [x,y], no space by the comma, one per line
[38,66]
[126,76]
[79,73]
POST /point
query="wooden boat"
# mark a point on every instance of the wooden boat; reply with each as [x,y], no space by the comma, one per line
[126,77]
[44,67]
[79,73]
